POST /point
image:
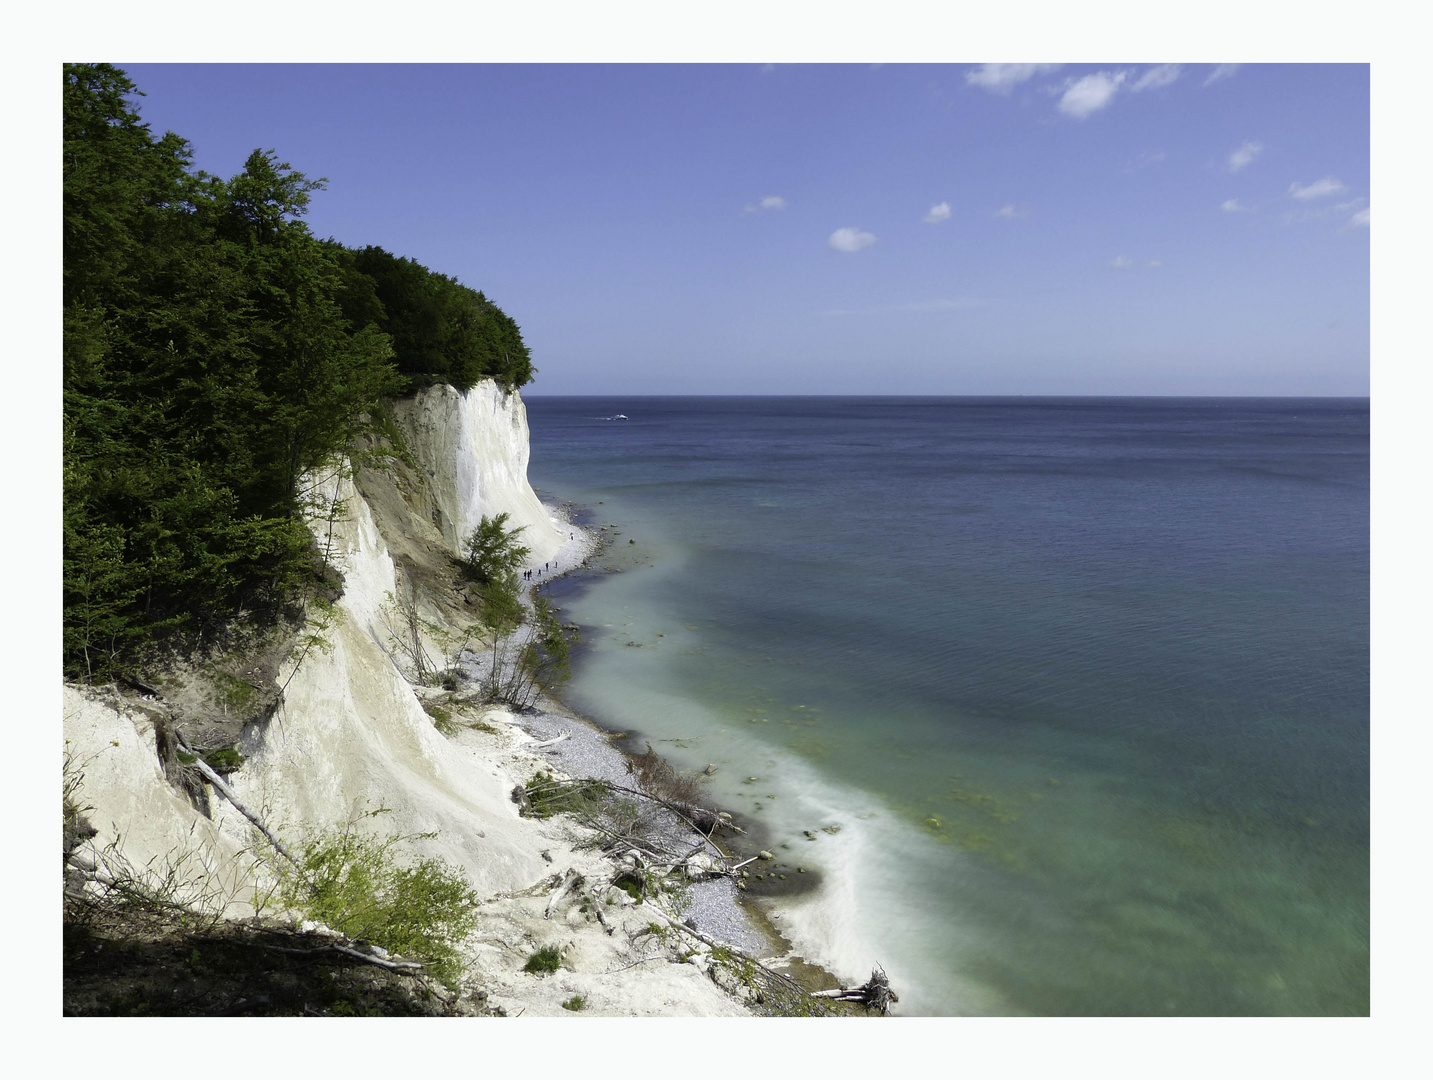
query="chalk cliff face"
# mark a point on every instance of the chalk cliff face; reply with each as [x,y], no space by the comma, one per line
[351,735]
[473,447]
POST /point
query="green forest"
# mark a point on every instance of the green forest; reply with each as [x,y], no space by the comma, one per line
[215,352]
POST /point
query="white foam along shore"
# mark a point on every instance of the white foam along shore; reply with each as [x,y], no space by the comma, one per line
[352,736]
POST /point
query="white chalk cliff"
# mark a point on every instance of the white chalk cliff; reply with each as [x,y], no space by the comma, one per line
[474,448]
[351,735]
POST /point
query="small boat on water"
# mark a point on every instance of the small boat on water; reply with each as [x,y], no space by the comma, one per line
[619,416]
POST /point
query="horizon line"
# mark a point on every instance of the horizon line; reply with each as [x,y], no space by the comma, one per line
[1162,397]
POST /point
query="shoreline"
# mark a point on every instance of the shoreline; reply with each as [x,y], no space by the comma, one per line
[604,754]
[359,736]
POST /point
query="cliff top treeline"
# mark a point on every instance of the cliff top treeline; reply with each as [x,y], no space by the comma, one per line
[215,351]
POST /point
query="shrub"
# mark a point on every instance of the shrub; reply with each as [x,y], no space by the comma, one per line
[547,796]
[576,1003]
[353,883]
[543,962]
[655,775]
[442,718]
[225,761]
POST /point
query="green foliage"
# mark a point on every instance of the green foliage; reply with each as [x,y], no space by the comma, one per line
[501,609]
[546,657]
[353,883]
[214,353]
[547,796]
[225,761]
[492,552]
[543,962]
[442,719]
[442,330]
[576,1003]
[207,367]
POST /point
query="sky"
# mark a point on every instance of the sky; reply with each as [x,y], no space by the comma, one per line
[852,229]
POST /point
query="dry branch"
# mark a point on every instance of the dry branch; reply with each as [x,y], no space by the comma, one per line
[597,908]
[407,967]
[225,790]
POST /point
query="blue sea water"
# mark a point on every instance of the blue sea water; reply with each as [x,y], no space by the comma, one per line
[1073,694]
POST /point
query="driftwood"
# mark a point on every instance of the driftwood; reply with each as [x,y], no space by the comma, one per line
[569,879]
[875,993]
[597,903]
[715,944]
[551,742]
[407,967]
[679,811]
[634,963]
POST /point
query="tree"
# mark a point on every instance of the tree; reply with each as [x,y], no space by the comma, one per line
[215,353]
[442,330]
[207,367]
[493,553]
[543,662]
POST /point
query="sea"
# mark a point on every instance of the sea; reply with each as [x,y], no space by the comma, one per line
[1060,704]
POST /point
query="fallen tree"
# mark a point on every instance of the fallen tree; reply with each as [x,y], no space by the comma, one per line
[874,993]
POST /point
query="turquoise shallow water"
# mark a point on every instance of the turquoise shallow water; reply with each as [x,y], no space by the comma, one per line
[1071,693]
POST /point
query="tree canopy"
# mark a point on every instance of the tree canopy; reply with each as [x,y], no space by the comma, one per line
[215,353]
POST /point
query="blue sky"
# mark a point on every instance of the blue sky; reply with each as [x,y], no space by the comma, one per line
[908,229]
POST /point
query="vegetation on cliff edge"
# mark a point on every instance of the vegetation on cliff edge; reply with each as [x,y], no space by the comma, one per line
[215,352]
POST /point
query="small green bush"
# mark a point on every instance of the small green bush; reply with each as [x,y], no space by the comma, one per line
[353,883]
[226,760]
[543,962]
[576,1003]
[547,796]
[442,719]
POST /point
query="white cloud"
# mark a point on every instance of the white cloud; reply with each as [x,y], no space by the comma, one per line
[1221,72]
[938,213]
[1245,155]
[1091,93]
[1360,218]
[1159,76]
[771,202]
[1003,78]
[850,239]
[1121,262]
[1233,206]
[1317,190]
[1010,210]
[1154,264]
